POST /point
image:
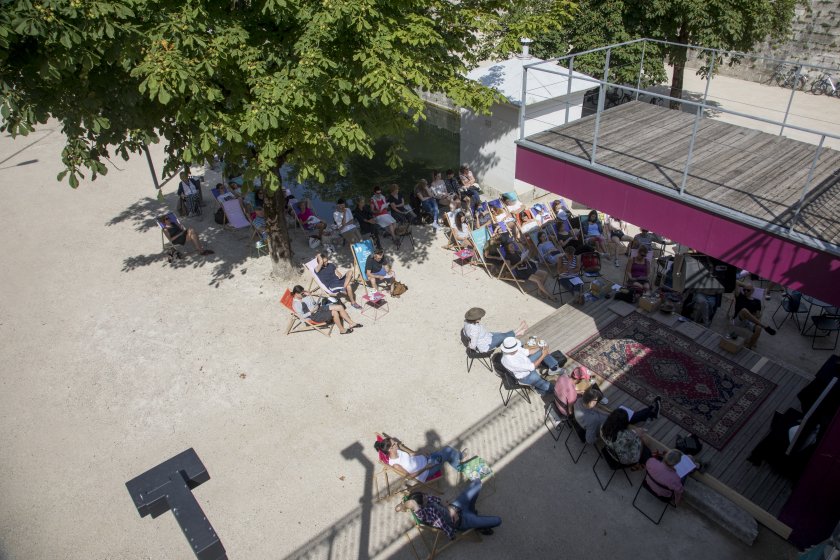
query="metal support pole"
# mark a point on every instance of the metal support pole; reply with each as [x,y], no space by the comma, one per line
[569,89]
[601,96]
[807,184]
[690,149]
[151,167]
[790,99]
[709,77]
[641,70]
[522,104]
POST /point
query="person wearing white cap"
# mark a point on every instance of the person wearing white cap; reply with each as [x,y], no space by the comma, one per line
[523,364]
[481,339]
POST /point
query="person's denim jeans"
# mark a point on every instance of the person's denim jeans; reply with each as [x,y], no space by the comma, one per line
[498,337]
[448,455]
[549,360]
[469,518]
[430,205]
[533,379]
[640,416]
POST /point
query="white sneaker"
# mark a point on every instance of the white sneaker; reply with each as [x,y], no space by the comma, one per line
[604,401]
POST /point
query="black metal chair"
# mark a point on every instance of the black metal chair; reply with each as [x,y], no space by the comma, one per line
[555,421]
[578,430]
[666,500]
[792,305]
[612,462]
[508,381]
[472,355]
[829,323]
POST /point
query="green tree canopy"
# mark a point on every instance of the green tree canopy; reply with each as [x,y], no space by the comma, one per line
[267,81]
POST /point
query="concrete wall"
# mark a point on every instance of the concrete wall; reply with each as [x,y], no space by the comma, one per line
[815,40]
[488,141]
[783,261]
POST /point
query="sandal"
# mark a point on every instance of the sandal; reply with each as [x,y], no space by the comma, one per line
[356,306]
[347,331]
[206,252]
[357,326]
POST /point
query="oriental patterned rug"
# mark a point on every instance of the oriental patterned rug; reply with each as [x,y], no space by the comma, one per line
[702,391]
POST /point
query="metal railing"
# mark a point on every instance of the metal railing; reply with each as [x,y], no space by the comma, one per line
[564,67]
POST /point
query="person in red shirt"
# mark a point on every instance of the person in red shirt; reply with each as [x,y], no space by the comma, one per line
[663,478]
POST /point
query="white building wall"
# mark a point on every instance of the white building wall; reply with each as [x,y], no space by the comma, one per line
[488,141]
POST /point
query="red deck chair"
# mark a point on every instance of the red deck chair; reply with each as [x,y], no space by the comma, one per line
[296,324]
[402,481]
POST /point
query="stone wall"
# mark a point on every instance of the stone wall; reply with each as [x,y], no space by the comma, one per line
[815,40]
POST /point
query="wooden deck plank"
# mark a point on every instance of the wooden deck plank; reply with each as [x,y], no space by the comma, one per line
[754,172]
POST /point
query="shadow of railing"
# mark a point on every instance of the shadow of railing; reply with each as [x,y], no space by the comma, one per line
[371,528]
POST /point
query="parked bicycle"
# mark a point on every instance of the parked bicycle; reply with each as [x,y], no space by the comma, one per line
[791,78]
[825,85]
[616,96]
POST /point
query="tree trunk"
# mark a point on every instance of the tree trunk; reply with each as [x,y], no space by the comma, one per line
[279,245]
[678,56]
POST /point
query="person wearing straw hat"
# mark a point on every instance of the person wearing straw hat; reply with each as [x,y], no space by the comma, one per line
[523,364]
[481,339]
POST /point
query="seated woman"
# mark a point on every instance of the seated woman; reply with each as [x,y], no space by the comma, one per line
[401,211]
[461,231]
[364,216]
[309,220]
[178,235]
[617,235]
[561,221]
[307,308]
[379,207]
[428,201]
[637,273]
[448,200]
[483,216]
[460,515]
[466,208]
[547,248]
[189,194]
[259,223]
[333,279]
[408,462]
[568,267]
[593,232]
[524,269]
[624,442]
[526,222]
[511,204]
[482,340]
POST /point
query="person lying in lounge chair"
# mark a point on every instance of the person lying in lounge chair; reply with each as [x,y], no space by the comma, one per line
[322,312]
[334,279]
[409,462]
[178,235]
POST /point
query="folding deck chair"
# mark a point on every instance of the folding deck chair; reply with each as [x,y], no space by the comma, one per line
[165,242]
[236,218]
[439,539]
[296,324]
[478,239]
[361,252]
[310,266]
[506,273]
[408,482]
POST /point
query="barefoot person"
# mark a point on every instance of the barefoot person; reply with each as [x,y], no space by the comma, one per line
[406,461]
[306,308]
[748,313]
[334,279]
[481,339]
[179,235]
[378,270]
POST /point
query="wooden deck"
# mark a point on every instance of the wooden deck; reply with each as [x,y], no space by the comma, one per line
[753,172]
[569,326]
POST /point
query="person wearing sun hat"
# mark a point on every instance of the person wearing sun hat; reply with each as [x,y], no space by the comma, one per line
[523,364]
[481,339]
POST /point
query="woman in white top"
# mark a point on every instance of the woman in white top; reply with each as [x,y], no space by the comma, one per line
[461,230]
[548,250]
[408,462]
[443,196]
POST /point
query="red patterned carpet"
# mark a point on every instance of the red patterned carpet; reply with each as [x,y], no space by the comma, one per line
[701,391]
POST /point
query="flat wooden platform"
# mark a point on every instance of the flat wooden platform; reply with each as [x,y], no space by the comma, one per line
[569,326]
[753,172]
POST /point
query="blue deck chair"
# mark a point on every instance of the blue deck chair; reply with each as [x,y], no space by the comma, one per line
[483,215]
[479,238]
[165,242]
[361,252]
[498,211]
[542,214]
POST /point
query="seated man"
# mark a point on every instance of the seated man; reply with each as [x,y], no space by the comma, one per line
[343,219]
[177,235]
[408,462]
[364,216]
[224,194]
[591,419]
[663,479]
[308,309]
[523,364]
[333,279]
[460,515]
[378,271]
[481,340]
[748,313]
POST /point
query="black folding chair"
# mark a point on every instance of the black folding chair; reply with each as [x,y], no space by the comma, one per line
[792,305]
[613,463]
[826,324]
[509,382]
[669,500]
[472,355]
